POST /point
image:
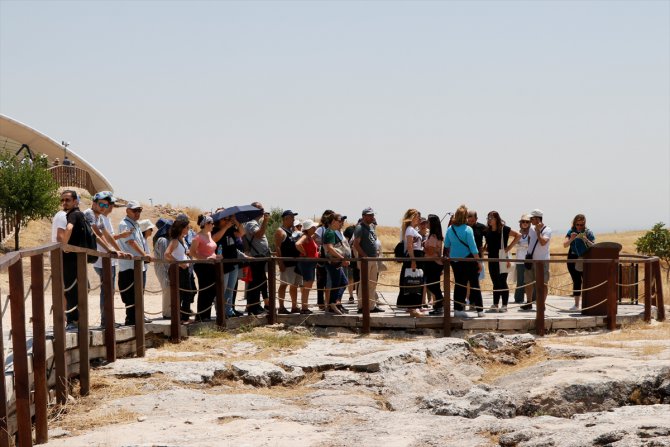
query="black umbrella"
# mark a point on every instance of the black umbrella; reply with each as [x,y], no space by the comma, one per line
[243,213]
[163,226]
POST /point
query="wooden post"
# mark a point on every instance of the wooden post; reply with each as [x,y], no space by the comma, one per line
[4,434]
[58,299]
[365,289]
[220,292]
[175,317]
[82,333]
[272,291]
[660,304]
[647,291]
[611,290]
[108,309]
[20,354]
[539,292]
[446,318]
[39,348]
[139,307]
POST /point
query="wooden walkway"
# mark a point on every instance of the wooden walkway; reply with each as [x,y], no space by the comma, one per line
[393,319]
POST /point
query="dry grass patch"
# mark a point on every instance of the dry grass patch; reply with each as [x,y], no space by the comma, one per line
[637,331]
[270,339]
[493,369]
[83,413]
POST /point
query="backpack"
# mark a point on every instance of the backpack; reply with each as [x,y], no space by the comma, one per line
[399,250]
[90,241]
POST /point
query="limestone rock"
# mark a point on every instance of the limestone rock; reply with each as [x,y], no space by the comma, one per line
[264,374]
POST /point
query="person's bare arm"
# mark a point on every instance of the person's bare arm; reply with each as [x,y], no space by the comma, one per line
[279,238]
[300,243]
[516,235]
[358,248]
[543,240]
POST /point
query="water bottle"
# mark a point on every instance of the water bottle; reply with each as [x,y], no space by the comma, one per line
[219,250]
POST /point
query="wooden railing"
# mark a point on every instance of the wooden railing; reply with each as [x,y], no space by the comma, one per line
[73,176]
[13,263]
[6,226]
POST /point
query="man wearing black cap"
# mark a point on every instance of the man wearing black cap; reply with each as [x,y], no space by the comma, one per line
[365,240]
[288,276]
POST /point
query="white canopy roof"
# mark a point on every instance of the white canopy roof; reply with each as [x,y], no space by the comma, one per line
[39,143]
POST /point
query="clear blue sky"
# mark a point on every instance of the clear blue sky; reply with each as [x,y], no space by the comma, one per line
[563,106]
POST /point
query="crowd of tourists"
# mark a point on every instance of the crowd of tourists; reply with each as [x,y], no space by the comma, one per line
[323,255]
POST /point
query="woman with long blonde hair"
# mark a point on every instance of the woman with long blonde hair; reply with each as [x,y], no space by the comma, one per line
[410,297]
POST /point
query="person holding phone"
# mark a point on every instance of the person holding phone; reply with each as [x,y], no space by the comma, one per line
[579,239]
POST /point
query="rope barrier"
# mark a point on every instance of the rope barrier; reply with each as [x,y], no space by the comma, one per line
[495,290]
[153,313]
[125,307]
[404,287]
[192,314]
[631,284]
[30,288]
[132,284]
[71,286]
[196,290]
[325,289]
[571,310]
[71,310]
[578,290]
[91,289]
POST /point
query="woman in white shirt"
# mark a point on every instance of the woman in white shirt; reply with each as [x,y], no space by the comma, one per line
[521,250]
[410,297]
[177,251]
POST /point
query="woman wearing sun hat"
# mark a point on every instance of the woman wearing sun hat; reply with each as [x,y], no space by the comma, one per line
[308,248]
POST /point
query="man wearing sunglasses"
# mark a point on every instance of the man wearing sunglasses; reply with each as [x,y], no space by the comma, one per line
[102,227]
[131,244]
[72,234]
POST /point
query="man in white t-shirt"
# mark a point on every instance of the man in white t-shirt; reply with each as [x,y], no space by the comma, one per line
[539,236]
[101,207]
[59,221]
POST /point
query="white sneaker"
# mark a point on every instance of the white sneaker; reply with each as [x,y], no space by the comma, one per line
[480,314]
[460,314]
[573,308]
[503,309]
[493,309]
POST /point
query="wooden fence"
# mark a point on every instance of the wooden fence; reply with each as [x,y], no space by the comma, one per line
[13,263]
[73,176]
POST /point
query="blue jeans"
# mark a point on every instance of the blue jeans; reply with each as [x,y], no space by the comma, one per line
[98,270]
[230,282]
[337,280]
[519,293]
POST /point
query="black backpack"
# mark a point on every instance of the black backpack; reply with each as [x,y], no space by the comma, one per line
[90,241]
[399,250]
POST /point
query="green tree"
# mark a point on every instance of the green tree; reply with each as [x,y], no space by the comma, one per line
[275,222]
[28,191]
[656,242]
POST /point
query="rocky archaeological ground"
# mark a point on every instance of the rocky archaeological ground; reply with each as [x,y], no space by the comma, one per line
[290,387]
